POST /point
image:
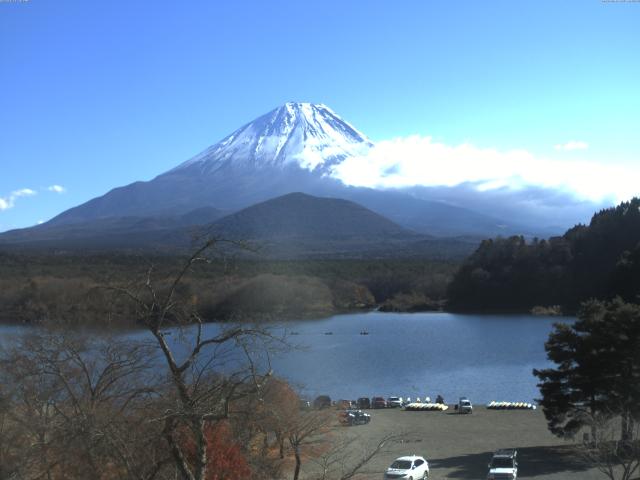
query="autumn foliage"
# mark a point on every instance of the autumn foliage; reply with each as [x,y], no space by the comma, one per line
[226,460]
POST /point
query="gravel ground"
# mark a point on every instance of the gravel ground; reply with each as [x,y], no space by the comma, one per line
[460,446]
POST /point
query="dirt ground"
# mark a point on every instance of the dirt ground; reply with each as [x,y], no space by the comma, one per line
[460,446]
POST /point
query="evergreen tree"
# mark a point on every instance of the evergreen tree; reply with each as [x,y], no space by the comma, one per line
[601,260]
[598,369]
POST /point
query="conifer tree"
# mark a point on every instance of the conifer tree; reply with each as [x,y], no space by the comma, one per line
[598,369]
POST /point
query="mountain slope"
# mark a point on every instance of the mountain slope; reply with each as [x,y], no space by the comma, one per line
[292,226]
[304,216]
[309,136]
[289,149]
[110,230]
[293,148]
[298,225]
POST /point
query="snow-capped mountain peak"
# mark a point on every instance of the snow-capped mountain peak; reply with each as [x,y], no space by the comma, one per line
[311,136]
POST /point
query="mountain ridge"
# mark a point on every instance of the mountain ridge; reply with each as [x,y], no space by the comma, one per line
[295,225]
[291,148]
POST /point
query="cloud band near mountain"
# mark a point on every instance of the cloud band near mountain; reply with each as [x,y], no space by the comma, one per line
[419,161]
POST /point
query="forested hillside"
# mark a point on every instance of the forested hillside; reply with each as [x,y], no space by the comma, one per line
[601,260]
[70,289]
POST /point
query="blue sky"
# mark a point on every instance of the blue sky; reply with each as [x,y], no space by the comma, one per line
[99,94]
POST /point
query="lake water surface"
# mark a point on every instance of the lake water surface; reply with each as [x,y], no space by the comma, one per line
[484,357]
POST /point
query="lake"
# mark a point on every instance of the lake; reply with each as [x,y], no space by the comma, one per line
[484,357]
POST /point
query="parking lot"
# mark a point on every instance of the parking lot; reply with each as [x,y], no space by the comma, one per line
[460,446]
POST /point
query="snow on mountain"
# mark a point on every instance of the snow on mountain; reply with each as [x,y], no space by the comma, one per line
[311,136]
[294,148]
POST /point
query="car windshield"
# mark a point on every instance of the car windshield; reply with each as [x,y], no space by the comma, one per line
[393,399]
[401,464]
[501,463]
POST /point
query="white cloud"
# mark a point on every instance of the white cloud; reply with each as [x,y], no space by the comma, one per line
[23,192]
[572,145]
[9,201]
[419,161]
[57,189]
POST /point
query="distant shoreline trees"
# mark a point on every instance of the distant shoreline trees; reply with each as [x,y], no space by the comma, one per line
[601,260]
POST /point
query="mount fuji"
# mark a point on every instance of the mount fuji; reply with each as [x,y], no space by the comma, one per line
[289,149]
[292,148]
[308,136]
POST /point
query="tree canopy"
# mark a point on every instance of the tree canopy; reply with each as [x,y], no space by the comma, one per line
[601,260]
[597,368]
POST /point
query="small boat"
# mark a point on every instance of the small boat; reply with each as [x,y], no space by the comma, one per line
[328,333]
[364,332]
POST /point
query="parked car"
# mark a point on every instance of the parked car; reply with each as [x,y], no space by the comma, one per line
[322,401]
[378,402]
[503,465]
[393,402]
[464,405]
[409,468]
[364,402]
[354,417]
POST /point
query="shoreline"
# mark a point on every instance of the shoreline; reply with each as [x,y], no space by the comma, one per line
[308,316]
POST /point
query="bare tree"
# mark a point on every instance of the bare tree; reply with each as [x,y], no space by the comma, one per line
[307,430]
[74,408]
[208,373]
[616,455]
[349,455]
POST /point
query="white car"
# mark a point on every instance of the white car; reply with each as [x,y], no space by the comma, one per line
[394,402]
[503,465]
[464,405]
[408,468]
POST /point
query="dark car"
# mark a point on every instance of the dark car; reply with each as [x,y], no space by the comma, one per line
[323,401]
[354,417]
[364,402]
[378,402]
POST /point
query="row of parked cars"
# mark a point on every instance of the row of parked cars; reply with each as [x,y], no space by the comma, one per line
[503,466]
[362,403]
[379,402]
[365,403]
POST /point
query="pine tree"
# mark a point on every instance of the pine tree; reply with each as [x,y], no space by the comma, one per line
[598,369]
